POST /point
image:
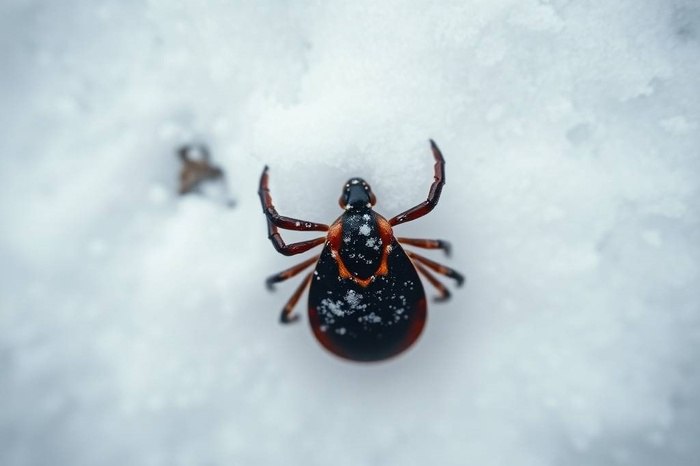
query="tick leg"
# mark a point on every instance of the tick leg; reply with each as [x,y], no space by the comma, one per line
[278,220]
[439,268]
[427,244]
[285,316]
[289,273]
[290,249]
[433,195]
[444,293]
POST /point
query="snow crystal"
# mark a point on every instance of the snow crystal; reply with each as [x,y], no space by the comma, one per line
[365,229]
[334,307]
[353,298]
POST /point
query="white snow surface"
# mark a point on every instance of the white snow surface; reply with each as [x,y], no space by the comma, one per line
[135,328]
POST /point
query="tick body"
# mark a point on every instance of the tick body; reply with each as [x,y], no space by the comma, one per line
[366,300]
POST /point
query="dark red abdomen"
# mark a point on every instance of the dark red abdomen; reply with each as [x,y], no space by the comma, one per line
[367,323]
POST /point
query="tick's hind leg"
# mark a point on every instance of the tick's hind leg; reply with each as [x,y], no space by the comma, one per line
[427,244]
[439,268]
[289,273]
[443,293]
[286,316]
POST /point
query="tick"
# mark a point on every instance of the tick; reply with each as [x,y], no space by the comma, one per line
[366,300]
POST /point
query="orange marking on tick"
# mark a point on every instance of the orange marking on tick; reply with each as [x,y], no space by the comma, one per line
[335,234]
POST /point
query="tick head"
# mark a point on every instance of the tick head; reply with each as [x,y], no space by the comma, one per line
[357,194]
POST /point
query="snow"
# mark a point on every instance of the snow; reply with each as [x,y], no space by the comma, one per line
[353,299]
[336,307]
[135,327]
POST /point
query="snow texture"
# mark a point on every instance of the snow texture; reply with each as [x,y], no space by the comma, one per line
[135,328]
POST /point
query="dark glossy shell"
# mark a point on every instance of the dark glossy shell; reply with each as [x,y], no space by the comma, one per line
[367,323]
